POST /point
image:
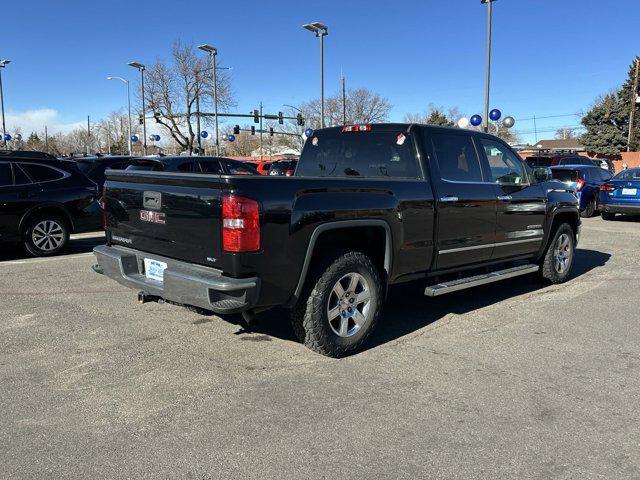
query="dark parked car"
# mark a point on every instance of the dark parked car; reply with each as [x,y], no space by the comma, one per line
[586,181]
[553,159]
[283,167]
[369,206]
[43,200]
[219,165]
[94,167]
[621,194]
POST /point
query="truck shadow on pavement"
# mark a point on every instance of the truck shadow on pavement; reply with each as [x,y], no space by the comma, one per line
[408,310]
[76,246]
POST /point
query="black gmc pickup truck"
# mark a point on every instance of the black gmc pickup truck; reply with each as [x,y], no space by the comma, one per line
[369,206]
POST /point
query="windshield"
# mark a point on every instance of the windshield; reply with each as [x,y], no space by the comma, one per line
[144,164]
[631,174]
[535,162]
[564,175]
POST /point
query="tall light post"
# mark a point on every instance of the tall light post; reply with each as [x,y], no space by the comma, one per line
[126,82]
[488,71]
[320,30]
[3,64]
[213,52]
[141,68]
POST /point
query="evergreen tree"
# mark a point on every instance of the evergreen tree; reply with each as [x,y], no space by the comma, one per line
[607,122]
[436,117]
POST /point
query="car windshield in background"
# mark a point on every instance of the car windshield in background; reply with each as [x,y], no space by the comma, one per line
[240,168]
[335,153]
[564,175]
[148,165]
[535,162]
[631,174]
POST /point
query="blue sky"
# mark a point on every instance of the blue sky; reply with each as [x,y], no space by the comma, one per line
[550,57]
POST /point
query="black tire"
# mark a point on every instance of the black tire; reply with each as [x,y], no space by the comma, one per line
[310,317]
[608,215]
[550,265]
[35,237]
[590,210]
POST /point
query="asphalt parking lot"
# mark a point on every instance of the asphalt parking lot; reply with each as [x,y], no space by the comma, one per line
[511,380]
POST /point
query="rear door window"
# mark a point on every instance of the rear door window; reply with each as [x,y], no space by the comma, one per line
[19,177]
[457,158]
[40,173]
[6,178]
[333,153]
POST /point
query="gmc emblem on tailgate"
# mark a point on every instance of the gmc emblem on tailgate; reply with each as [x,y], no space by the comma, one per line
[153,217]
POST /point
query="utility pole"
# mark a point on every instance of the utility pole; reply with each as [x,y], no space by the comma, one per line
[46,140]
[344,103]
[634,98]
[535,128]
[488,71]
[108,137]
[88,136]
[198,121]
[3,64]
[260,130]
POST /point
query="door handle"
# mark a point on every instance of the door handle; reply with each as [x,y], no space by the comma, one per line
[449,198]
[504,198]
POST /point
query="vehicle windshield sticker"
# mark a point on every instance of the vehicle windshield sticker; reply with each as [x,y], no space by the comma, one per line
[401,139]
[314,141]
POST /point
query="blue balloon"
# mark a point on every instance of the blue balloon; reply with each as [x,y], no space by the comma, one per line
[157,138]
[308,132]
[134,138]
[204,134]
[7,137]
[495,114]
[475,120]
[232,138]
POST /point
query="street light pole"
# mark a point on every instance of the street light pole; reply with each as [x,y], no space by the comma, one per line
[3,64]
[488,71]
[141,69]
[128,107]
[213,52]
[320,30]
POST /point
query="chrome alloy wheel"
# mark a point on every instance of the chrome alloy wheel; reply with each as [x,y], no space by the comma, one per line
[348,309]
[47,235]
[562,253]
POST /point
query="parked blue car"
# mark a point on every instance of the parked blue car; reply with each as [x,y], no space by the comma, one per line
[586,181]
[621,194]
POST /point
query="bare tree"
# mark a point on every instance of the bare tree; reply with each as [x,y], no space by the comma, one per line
[565,133]
[362,106]
[174,89]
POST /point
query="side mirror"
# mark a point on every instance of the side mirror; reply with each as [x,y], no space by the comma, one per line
[542,174]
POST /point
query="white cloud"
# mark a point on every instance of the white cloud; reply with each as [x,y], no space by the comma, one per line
[35,121]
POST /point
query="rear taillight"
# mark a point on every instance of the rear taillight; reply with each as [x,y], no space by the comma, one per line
[607,188]
[288,173]
[356,128]
[103,204]
[579,184]
[240,224]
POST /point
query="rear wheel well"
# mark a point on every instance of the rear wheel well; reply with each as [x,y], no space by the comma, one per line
[370,240]
[46,210]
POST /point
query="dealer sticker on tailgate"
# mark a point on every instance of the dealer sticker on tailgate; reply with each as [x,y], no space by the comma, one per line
[154,269]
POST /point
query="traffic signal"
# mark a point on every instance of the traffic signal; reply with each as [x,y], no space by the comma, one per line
[253,130]
[271,131]
[280,119]
[300,120]
[256,116]
[236,130]
[141,119]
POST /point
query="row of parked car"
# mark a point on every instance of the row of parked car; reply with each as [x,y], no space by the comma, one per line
[44,199]
[598,190]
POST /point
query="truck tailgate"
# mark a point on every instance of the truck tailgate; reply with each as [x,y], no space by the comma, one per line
[174,215]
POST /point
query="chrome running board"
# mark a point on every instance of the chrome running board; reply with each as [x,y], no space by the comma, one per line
[462,283]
